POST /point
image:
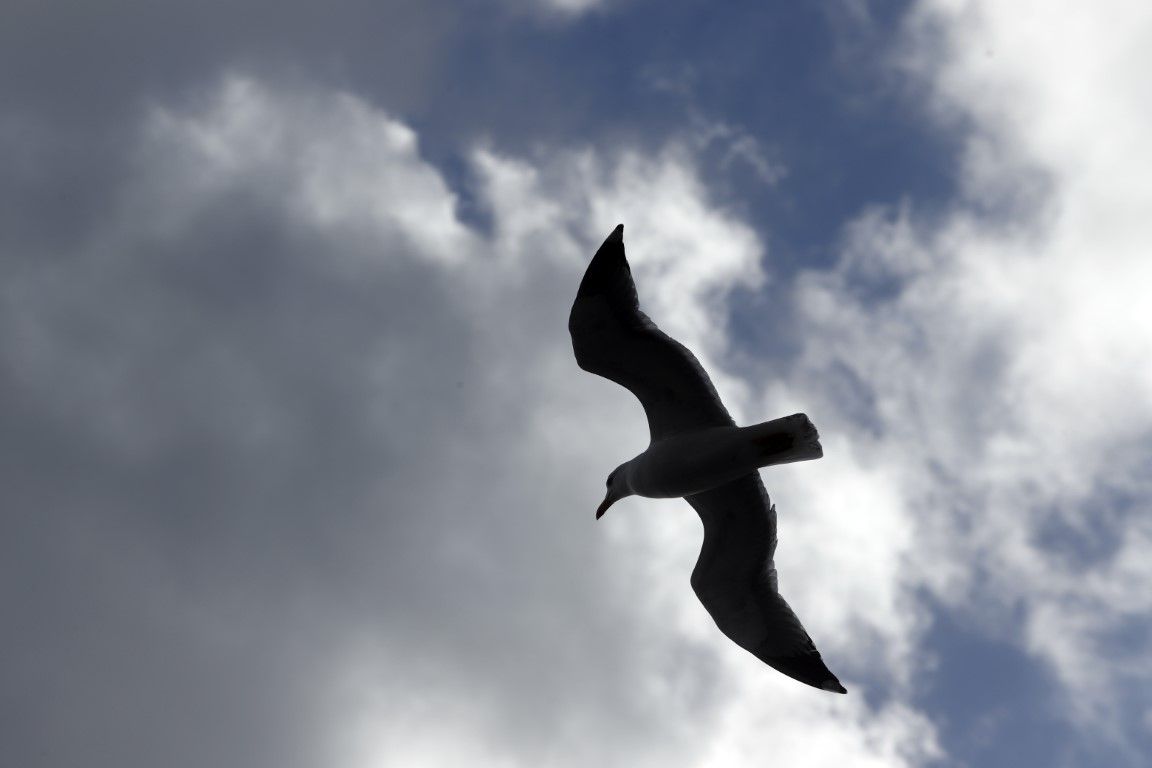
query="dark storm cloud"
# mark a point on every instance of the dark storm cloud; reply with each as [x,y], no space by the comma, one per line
[188,429]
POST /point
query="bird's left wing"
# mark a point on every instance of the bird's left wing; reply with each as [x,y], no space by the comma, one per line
[735,579]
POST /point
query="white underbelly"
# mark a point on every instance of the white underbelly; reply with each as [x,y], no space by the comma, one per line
[692,463]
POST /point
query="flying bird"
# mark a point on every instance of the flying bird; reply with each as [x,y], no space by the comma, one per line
[697,452]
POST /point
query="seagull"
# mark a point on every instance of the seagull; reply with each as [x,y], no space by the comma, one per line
[697,452]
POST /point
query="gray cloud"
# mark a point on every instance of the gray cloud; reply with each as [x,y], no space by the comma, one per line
[96,62]
[304,470]
[241,441]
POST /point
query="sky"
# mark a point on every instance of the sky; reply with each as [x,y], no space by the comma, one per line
[299,471]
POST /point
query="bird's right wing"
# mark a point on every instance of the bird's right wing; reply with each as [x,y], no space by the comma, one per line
[735,579]
[614,339]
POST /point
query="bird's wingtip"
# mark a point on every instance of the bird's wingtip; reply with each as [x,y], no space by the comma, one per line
[608,271]
[833,685]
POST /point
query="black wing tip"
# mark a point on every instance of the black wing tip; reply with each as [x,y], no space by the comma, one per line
[808,668]
[604,272]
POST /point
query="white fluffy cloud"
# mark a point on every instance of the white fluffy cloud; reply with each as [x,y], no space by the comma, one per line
[996,353]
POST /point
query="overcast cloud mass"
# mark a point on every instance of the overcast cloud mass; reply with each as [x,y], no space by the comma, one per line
[298,468]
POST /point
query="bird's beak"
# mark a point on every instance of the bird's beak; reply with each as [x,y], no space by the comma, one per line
[608,501]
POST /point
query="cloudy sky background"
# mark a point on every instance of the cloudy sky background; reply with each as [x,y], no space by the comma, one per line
[298,469]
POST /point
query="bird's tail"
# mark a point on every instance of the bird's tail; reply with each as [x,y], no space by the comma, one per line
[785,440]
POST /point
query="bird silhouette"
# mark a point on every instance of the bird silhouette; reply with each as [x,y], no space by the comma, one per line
[697,452]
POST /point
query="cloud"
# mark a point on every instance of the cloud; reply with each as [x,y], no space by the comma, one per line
[300,470]
[573,6]
[557,11]
[304,471]
[994,352]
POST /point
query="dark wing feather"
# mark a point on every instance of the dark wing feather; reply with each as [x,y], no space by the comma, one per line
[735,579]
[614,339]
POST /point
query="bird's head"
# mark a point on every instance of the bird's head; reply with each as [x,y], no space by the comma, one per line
[618,488]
